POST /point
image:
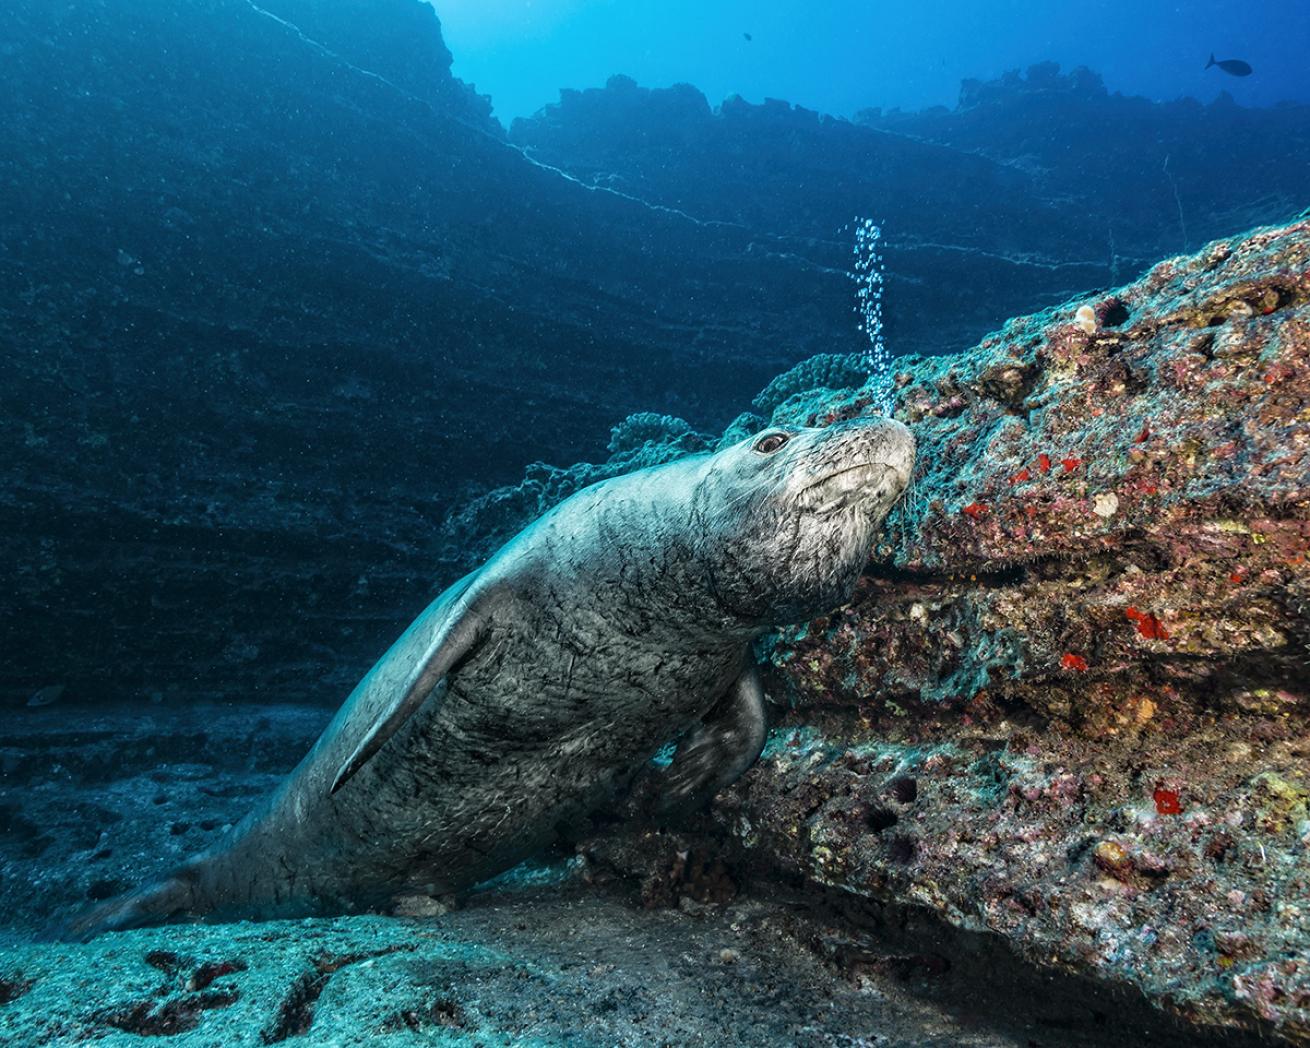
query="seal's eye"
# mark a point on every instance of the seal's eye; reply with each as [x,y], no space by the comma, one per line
[771,442]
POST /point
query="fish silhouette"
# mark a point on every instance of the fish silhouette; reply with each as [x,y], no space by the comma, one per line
[1232,66]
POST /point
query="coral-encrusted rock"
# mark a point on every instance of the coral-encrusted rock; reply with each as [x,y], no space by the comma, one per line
[1068,702]
[1120,507]
[1085,644]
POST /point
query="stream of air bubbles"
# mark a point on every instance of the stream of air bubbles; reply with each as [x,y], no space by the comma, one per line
[868,276]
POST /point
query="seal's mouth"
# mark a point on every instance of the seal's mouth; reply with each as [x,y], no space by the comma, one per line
[849,484]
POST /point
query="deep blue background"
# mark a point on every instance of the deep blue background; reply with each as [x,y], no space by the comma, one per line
[839,56]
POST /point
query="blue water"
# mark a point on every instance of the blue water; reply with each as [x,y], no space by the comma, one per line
[845,55]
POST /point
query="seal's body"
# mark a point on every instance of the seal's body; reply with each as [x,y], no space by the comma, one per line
[617,622]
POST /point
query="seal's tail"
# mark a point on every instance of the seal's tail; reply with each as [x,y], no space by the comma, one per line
[150,904]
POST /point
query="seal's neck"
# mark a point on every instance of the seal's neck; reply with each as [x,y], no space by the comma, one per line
[656,562]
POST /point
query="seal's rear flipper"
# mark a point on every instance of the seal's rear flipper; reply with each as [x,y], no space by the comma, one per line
[404,677]
[727,742]
[152,904]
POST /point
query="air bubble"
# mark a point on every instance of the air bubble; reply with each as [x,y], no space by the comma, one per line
[868,276]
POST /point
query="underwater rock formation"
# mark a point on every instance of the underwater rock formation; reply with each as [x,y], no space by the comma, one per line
[264,322]
[1067,705]
[1129,501]
[1033,188]
[1150,178]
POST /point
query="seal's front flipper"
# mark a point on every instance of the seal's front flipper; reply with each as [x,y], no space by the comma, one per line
[404,677]
[718,750]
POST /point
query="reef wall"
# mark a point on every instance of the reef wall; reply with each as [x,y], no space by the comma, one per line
[1033,188]
[275,291]
[1068,702]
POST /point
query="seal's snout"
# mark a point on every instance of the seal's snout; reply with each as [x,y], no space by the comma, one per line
[828,490]
[874,445]
[865,462]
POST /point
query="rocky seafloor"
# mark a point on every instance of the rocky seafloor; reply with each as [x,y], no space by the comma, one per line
[568,951]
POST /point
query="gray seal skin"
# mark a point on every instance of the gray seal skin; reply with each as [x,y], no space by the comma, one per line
[527,691]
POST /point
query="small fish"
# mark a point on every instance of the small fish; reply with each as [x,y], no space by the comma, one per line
[749,38]
[46,696]
[1231,66]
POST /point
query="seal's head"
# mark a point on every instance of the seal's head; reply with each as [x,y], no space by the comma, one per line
[789,515]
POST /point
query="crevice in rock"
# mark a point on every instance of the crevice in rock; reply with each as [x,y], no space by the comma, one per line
[296,1013]
[13,988]
[995,578]
[147,1018]
[944,962]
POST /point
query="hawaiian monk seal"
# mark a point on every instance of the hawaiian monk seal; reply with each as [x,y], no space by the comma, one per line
[618,621]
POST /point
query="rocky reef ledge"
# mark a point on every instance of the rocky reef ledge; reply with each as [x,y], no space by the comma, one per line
[1067,706]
